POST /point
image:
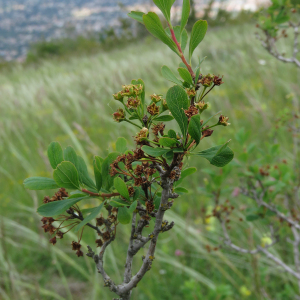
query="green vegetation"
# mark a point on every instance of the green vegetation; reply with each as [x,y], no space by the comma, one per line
[70,102]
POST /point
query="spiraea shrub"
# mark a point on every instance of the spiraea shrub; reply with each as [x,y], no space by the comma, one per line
[138,185]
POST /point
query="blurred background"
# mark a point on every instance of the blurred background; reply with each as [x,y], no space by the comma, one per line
[60,63]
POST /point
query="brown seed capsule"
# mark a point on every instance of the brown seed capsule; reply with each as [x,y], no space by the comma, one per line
[53,240]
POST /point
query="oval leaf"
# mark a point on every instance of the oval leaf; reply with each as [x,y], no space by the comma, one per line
[58,207]
[169,75]
[121,187]
[198,34]
[55,154]
[137,15]
[40,183]
[154,26]
[66,176]
[71,156]
[178,101]
[98,176]
[195,128]
[124,216]
[218,156]
[165,7]
[165,118]
[186,7]
[185,75]
[121,145]
[155,152]
[167,142]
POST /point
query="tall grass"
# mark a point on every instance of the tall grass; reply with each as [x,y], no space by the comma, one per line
[70,102]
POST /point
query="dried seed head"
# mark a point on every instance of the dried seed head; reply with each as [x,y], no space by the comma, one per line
[223,121]
[119,115]
[153,109]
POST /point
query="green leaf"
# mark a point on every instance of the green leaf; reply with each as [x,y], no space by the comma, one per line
[172,134]
[66,175]
[184,40]
[252,218]
[71,156]
[169,75]
[124,216]
[178,101]
[58,207]
[218,156]
[186,7]
[107,179]
[167,142]
[197,74]
[164,118]
[55,154]
[185,75]
[195,128]
[121,187]
[137,15]
[98,175]
[40,183]
[180,190]
[198,34]
[94,213]
[185,173]
[155,152]
[165,7]
[118,203]
[84,176]
[121,145]
[132,207]
[154,26]
[98,161]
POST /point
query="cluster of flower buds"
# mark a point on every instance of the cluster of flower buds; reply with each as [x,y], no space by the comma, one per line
[76,247]
[133,103]
[60,195]
[130,90]
[156,98]
[141,136]
[223,121]
[210,79]
[119,115]
[191,111]
[202,106]
[153,109]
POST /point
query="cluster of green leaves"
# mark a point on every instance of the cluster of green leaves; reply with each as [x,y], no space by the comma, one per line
[277,16]
[71,172]
[177,99]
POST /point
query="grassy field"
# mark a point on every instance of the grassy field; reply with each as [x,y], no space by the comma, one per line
[70,102]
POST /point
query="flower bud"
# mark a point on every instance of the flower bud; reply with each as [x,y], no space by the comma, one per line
[155,98]
[153,109]
[207,80]
[118,96]
[164,104]
[119,115]
[133,102]
[223,121]
[202,106]
[191,92]
[142,134]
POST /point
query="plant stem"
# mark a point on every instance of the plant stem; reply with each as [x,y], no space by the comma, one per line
[180,51]
[133,123]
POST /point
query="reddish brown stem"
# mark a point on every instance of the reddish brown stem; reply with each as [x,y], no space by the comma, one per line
[100,195]
[181,53]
